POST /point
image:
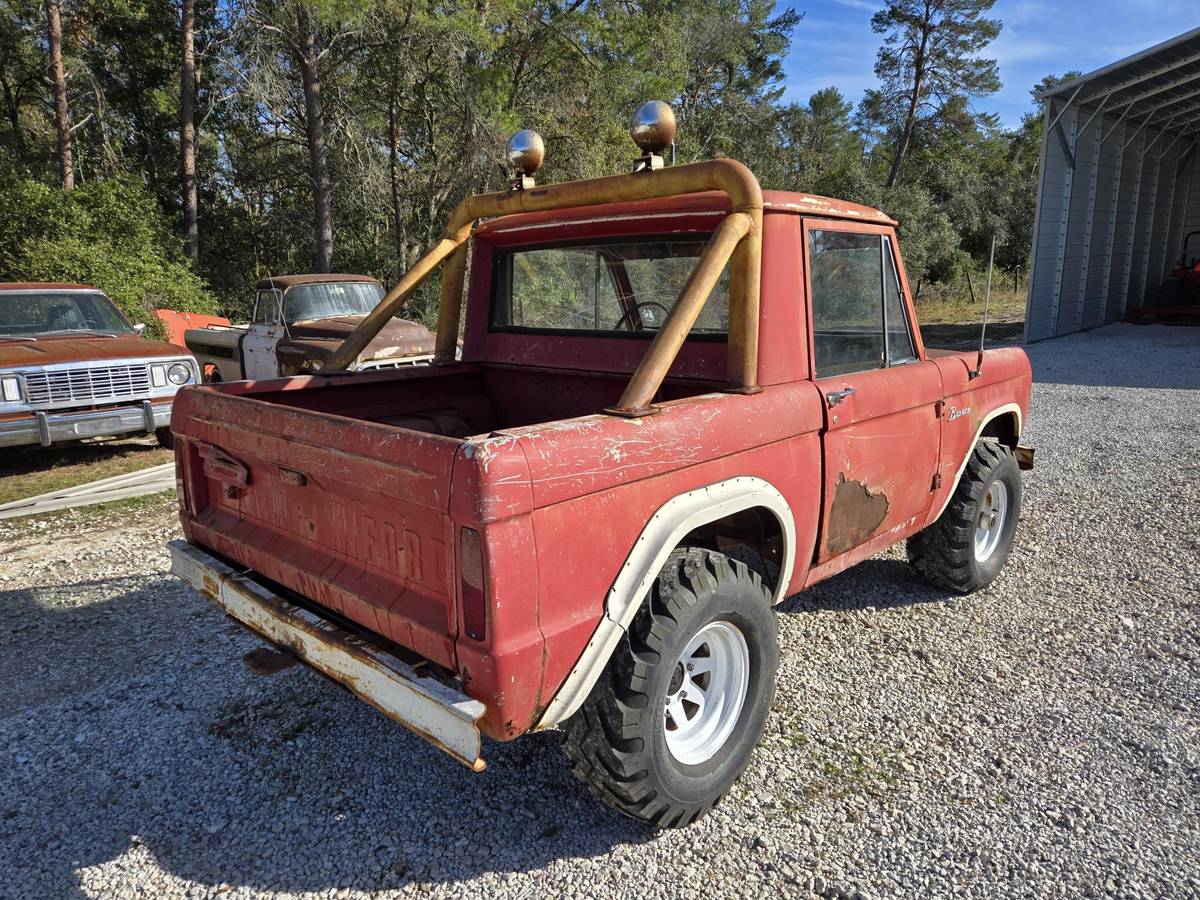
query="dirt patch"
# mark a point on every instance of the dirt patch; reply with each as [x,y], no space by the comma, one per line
[966,336]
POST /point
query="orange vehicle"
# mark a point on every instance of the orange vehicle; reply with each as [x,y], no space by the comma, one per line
[73,367]
[679,400]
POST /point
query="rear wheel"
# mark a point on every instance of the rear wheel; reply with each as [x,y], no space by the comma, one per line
[967,546]
[675,716]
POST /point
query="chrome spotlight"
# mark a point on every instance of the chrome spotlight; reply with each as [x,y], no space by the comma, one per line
[524,152]
[653,129]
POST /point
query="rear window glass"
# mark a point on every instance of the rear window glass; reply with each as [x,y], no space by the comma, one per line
[620,288]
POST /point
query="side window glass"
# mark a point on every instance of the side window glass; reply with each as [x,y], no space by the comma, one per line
[846,271]
[266,310]
[899,337]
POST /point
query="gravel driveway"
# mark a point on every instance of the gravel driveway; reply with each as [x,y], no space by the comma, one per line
[1040,738]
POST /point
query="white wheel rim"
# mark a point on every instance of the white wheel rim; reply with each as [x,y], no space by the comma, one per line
[989,527]
[706,693]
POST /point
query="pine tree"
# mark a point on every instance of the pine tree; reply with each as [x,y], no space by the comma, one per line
[929,58]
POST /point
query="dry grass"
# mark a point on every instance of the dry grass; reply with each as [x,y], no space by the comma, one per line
[25,473]
[943,307]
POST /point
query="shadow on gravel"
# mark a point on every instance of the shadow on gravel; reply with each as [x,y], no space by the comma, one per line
[132,731]
[966,336]
[49,649]
[875,584]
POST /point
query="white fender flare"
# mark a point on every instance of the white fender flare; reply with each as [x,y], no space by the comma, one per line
[662,534]
[962,466]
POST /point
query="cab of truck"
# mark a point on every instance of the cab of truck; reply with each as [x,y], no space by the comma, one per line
[679,399]
[297,321]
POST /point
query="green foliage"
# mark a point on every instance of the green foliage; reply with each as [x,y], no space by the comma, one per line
[107,233]
[418,101]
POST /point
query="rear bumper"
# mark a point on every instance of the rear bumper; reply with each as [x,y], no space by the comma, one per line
[48,428]
[443,716]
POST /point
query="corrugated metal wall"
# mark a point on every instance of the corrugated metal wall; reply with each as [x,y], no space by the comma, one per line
[1110,221]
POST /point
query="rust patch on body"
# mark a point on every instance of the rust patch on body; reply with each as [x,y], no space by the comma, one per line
[210,587]
[856,514]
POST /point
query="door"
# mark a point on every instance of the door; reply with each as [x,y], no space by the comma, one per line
[266,328]
[882,437]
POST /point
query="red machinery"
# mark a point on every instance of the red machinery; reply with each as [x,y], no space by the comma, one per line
[1178,299]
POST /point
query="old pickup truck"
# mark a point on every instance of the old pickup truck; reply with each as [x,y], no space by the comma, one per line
[679,400]
[298,321]
[73,367]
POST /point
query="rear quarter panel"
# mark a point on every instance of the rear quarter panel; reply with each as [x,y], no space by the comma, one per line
[587,518]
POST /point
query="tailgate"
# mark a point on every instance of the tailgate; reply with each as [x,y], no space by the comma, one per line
[348,513]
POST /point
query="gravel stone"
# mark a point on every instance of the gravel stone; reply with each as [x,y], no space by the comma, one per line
[1036,739]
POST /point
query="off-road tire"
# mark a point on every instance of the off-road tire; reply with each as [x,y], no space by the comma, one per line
[944,553]
[165,438]
[617,740]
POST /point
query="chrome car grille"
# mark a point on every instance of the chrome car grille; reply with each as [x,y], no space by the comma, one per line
[87,385]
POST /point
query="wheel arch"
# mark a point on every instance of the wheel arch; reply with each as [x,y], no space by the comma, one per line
[1004,425]
[729,501]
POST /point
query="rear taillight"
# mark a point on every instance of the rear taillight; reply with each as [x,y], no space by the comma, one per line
[474,597]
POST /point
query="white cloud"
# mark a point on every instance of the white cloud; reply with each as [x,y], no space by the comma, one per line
[865,5]
[1012,47]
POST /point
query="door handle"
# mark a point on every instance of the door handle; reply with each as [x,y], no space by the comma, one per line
[220,466]
[833,398]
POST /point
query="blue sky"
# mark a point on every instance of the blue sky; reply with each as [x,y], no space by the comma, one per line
[834,44]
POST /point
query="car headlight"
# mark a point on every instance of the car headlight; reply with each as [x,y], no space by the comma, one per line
[158,376]
[10,389]
[179,373]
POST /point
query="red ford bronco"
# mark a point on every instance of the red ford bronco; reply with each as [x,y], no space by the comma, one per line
[679,400]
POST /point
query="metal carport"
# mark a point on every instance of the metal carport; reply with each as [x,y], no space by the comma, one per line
[1116,192]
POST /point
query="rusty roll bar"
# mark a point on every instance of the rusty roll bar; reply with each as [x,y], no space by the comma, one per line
[674,331]
[738,240]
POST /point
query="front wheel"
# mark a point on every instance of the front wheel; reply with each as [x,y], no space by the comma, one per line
[164,436]
[965,549]
[675,716]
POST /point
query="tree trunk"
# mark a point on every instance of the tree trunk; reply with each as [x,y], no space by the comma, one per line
[910,121]
[314,115]
[58,77]
[12,109]
[187,129]
[394,175]
[914,102]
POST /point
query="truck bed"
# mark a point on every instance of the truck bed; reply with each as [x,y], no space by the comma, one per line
[464,400]
[338,487]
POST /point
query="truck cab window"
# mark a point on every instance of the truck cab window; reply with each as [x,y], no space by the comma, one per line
[605,288]
[266,308]
[846,270]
